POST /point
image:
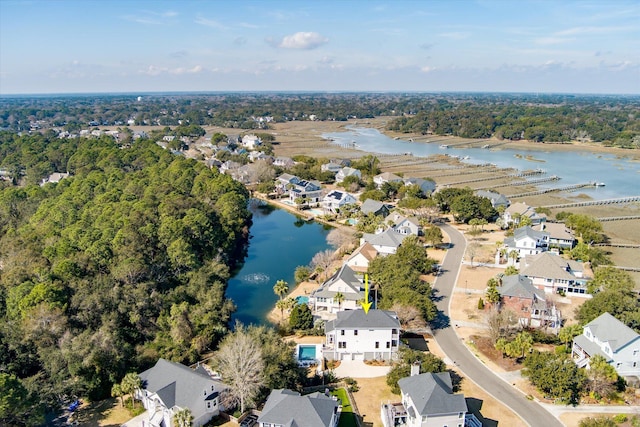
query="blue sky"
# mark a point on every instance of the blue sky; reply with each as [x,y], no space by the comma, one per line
[61,46]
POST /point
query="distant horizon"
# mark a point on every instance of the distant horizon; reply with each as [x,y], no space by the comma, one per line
[435,46]
[310,92]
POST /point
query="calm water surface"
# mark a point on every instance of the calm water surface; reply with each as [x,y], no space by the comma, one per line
[279,243]
[621,175]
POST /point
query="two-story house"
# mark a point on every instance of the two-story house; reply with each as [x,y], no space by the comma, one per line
[287,408]
[527,241]
[169,387]
[555,274]
[428,401]
[408,226]
[386,242]
[532,306]
[347,171]
[559,235]
[374,207]
[497,199]
[519,210]
[612,339]
[345,282]
[305,192]
[335,200]
[427,186]
[356,335]
[385,177]
[360,258]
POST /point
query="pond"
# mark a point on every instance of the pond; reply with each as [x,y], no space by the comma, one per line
[279,242]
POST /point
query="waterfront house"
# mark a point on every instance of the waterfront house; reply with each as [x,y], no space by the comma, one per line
[426,186]
[331,167]
[497,199]
[527,241]
[427,400]
[360,258]
[519,210]
[287,408]
[559,235]
[554,274]
[385,177]
[386,242]
[532,306]
[335,200]
[169,387]
[611,339]
[305,192]
[283,162]
[375,207]
[347,171]
[356,335]
[345,281]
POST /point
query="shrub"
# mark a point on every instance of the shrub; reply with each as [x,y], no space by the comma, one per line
[480,304]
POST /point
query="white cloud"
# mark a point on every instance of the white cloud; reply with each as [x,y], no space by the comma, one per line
[427,69]
[209,22]
[303,40]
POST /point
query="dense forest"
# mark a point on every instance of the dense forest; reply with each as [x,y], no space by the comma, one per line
[614,120]
[123,262]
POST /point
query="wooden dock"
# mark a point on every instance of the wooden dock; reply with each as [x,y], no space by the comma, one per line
[620,200]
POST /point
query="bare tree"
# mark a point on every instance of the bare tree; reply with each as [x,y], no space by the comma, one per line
[322,260]
[260,171]
[409,316]
[501,323]
[472,251]
[339,238]
[239,361]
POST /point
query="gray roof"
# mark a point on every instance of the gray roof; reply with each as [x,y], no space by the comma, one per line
[287,408]
[358,319]
[425,185]
[497,199]
[527,231]
[347,276]
[590,347]
[520,287]
[557,230]
[550,266]
[389,238]
[432,394]
[609,329]
[373,206]
[178,385]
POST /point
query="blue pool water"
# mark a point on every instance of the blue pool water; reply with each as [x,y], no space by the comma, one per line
[307,352]
[302,299]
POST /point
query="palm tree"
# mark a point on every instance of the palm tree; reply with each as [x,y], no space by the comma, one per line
[183,418]
[281,304]
[339,298]
[116,391]
[281,288]
[130,383]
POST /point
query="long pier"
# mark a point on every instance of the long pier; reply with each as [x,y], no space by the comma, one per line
[517,184]
[618,245]
[489,178]
[594,202]
[618,218]
[552,190]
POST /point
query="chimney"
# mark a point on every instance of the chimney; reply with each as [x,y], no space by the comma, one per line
[415,369]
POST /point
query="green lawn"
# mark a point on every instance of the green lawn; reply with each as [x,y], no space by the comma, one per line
[347,418]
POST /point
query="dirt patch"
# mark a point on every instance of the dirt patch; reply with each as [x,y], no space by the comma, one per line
[486,348]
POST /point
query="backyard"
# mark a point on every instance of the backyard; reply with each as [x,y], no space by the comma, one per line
[347,418]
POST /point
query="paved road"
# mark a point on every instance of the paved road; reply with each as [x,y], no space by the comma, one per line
[531,412]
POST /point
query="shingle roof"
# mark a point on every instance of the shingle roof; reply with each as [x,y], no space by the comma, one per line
[527,231]
[609,329]
[432,394]
[557,230]
[347,276]
[550,266]
[371,206]
[590,347]
[374,319]
[289,409]
[178,385]
[520,287]
[389,238]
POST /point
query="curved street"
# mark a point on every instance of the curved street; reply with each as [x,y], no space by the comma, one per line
[531,412]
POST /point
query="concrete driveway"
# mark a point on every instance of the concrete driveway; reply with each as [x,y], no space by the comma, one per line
[358,369]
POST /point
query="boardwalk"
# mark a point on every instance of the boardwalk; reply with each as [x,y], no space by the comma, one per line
[553,190]
[630,199]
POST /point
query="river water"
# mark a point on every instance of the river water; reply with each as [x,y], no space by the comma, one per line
[279,242]
[621,175]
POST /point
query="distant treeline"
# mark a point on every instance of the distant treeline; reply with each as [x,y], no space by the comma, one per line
[609,119]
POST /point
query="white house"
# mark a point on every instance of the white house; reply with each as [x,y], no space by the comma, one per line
[251,142]
[428,401]
[386,242]
[55,178]
[347,171]
[389,177]
[408,226]
[356,335]
[346,282]
[285,162]
[554,274]
[169,387]
[335,200]
[612,339]
[288,408]
[527,241]
[559,235]
[360,258]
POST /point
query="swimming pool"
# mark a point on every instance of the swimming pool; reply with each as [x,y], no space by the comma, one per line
[302,299]
[306,352]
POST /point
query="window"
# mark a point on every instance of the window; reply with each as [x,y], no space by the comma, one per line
[342,344]
[377,344]
[342,332]
[388,344]
[355,332]
[208,405]
[460,414]
[394,331]
[394,343]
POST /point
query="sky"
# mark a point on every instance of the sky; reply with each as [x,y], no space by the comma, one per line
[90,46]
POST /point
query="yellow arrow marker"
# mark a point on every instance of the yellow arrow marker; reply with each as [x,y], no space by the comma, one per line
[366,305]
